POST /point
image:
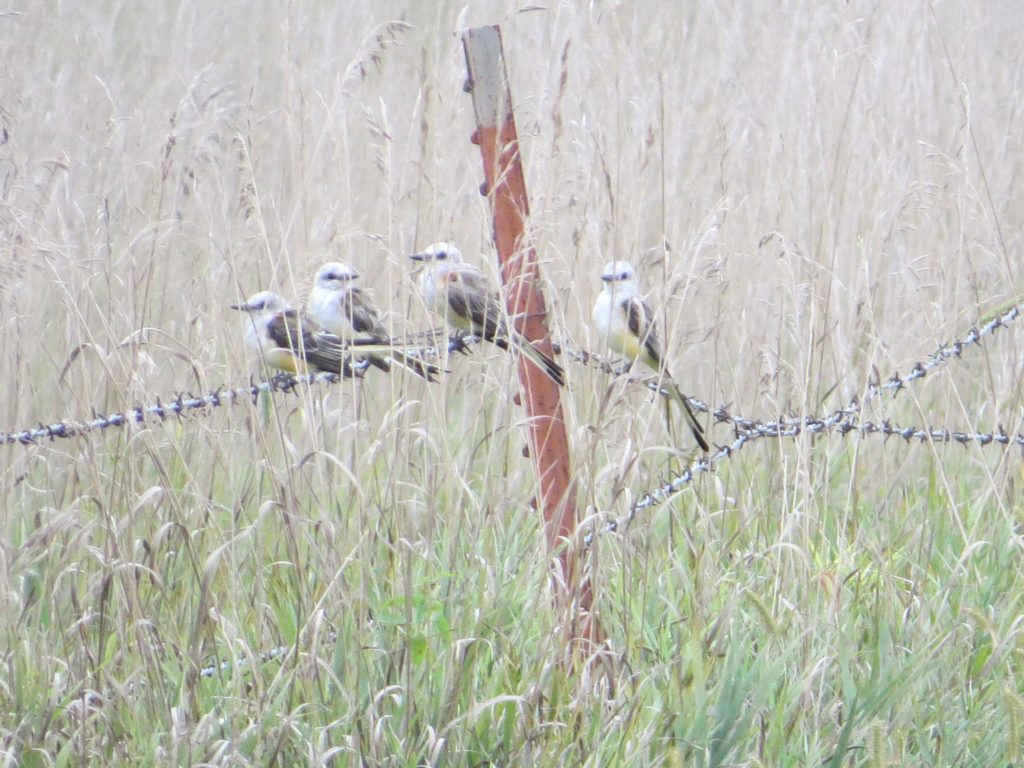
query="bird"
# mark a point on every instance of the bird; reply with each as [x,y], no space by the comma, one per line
[626,323]
[289,340]
[344,309]
[461,294]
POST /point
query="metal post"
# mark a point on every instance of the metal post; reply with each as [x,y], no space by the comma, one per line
[505,187]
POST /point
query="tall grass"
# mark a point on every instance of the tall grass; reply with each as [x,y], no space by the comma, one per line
[816,194]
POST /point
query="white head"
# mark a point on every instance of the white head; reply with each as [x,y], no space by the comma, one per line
[334,275]
[620,277]
[439,253]
[264,302]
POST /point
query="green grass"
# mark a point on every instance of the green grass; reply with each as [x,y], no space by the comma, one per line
[817,195]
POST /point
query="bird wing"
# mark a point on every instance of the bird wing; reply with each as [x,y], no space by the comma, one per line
[358,307]
[307,340]
[471,297]
[641,324]
[364,317]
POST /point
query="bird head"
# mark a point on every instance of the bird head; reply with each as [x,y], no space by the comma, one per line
[334,275]
[439,252]
[262,302]
[619,277]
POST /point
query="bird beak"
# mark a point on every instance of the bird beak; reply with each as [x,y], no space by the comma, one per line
[607,278]
[423,256]
[243,307]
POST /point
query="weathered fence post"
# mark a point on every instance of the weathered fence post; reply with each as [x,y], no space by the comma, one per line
[505,187]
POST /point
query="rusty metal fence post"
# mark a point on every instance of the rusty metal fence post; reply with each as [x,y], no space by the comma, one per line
[505,187]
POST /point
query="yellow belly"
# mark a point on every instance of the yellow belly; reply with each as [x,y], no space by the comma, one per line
[623,342]
[285,360]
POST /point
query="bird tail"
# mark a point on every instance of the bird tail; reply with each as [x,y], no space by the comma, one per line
[541,360]
[695,427]
[379,362]
[380,353]
[421,368]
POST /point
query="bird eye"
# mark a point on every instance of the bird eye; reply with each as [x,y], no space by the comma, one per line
[331,276]
[441,255]
[623,275]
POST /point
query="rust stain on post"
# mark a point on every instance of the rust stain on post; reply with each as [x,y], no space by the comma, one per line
[505,186]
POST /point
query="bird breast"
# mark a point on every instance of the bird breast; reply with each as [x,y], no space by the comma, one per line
[602,315]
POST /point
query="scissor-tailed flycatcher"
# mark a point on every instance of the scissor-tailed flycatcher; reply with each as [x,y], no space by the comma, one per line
[460,293]
[344,309]
[625,321]
[288,340]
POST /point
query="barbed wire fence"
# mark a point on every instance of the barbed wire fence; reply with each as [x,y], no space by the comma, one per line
[353,367]
[843,421]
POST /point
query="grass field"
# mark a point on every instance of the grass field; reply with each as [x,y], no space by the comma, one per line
[816,193]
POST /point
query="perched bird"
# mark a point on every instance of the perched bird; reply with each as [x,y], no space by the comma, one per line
[288,340]
[346,310]
[461,294]
[626,323]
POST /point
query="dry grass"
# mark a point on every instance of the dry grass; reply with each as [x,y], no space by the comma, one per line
[813,192]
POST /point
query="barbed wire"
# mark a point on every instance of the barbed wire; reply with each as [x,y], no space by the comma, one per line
[842,421]
[261,657]
[182,404]
[177,406]
[99,698]
[895,383]
[944,352]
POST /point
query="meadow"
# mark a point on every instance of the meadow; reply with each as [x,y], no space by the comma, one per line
[816,194]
